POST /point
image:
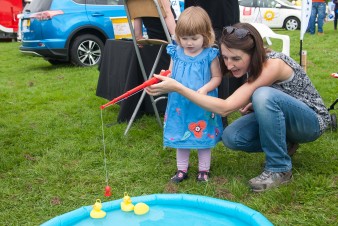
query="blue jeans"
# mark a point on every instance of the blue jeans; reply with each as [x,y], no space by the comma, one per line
[277,119]
[318,9]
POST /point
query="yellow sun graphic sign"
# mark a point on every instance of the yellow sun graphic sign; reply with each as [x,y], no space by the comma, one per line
[269,15]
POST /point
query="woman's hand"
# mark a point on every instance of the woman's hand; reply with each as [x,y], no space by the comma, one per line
[165,86]
[246,109]
[203,91]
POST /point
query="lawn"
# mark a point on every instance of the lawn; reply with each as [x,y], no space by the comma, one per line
[52,159]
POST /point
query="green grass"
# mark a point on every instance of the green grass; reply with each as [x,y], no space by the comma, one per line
[52,154]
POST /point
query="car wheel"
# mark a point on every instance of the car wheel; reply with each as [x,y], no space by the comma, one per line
[291,23]
[86,50]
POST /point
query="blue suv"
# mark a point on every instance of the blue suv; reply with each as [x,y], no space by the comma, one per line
[69,30]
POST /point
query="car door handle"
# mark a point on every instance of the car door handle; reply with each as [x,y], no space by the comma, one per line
[97,14]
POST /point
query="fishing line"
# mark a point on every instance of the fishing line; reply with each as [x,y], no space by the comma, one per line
[104,149]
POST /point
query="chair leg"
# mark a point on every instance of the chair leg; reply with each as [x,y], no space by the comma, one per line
[153,102]
[144,93]
[135,112]
[156,111]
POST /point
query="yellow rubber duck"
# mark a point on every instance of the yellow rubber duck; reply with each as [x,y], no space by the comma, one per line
[141,208]
[126,204]
[97,212]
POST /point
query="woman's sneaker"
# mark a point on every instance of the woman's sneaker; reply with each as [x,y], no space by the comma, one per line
[269,180]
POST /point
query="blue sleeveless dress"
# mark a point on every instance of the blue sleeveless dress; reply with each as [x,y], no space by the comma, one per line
[187,125]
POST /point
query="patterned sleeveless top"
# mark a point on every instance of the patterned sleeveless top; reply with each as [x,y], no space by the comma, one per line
[300,87]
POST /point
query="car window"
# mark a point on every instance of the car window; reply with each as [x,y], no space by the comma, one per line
[246,3]
[40,5]
[27,8]
[266,3]
[285,2]
[80,1]
[115,2]
[105,2]
[262,3]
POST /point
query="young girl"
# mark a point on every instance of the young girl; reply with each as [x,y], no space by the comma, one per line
[195,64]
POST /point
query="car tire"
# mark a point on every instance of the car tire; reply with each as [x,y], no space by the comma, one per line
[292,23]
[86,50]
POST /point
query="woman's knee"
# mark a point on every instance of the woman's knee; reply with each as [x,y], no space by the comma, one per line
[228,138]
[265,96]
[262,96]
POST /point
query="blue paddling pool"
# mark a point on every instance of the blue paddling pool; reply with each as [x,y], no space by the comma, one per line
[165,210]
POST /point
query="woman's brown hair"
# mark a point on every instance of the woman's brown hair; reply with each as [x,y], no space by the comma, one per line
[249,41]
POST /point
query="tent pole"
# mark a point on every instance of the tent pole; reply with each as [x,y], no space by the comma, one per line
[300,52]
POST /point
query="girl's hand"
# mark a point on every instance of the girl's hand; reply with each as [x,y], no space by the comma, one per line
[202,91]
[247,109]
[166,85]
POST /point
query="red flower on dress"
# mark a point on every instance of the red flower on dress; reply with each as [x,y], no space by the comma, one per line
[197,128]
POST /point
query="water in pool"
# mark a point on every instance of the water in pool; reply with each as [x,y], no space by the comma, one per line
[160,215]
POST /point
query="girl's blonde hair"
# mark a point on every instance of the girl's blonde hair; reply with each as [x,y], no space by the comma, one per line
[195,20]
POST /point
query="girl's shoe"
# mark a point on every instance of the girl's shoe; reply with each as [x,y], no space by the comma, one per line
[203,176]
[335,75]
[179,176]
